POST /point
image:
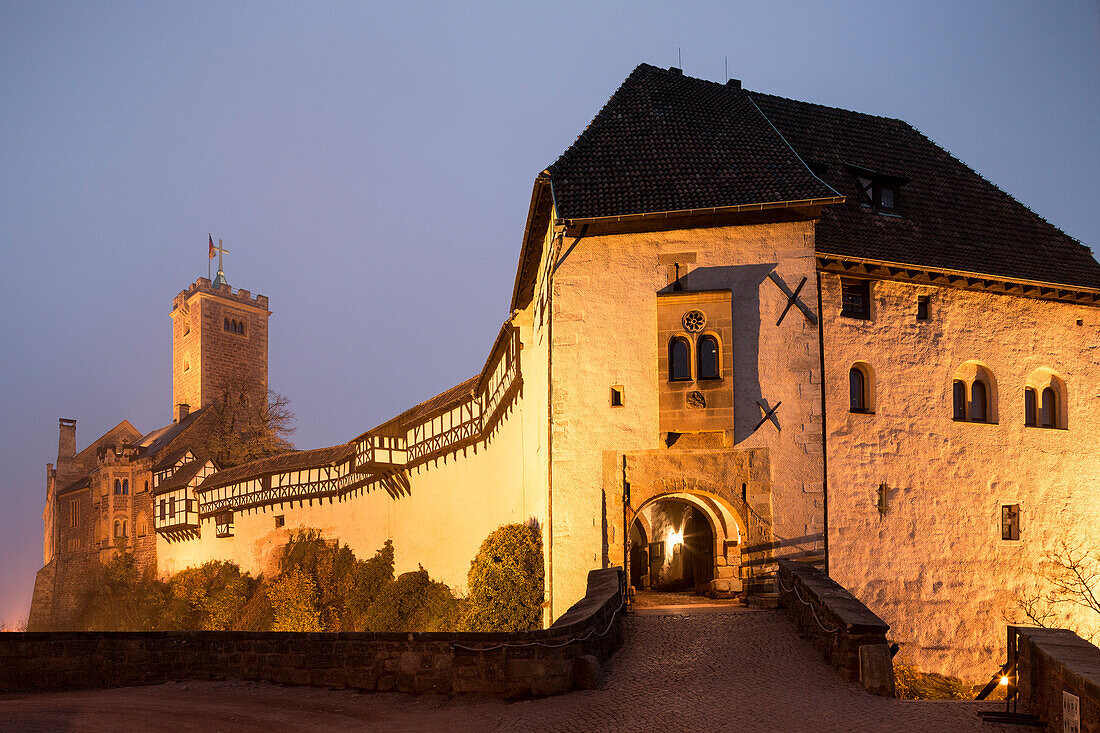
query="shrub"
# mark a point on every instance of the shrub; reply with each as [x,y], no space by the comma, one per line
[292,602]
[209,597]
[913,684]
[506,581]
[123,598]
[413,602]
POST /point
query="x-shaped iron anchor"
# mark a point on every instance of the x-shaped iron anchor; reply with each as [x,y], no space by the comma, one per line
[768,415]
[792,299]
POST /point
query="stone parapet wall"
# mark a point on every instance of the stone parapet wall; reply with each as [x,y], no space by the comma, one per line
[569,654]
[852,638]
[1049,663]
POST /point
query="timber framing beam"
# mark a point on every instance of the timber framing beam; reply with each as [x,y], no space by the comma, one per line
[871,269]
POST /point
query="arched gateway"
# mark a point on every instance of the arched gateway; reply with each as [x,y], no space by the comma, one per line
[696,527]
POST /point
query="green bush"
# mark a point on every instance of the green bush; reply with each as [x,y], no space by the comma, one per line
[121,597]
[506,581]
[210,597]
[293,603]
[413,602]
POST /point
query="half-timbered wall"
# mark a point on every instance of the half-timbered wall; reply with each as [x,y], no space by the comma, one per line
[460,472]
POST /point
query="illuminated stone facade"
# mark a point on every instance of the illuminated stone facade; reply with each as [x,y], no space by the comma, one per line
[675,383]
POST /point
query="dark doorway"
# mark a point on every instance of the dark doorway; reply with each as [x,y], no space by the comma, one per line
[679,555]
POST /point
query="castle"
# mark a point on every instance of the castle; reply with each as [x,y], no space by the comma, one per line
[743,327]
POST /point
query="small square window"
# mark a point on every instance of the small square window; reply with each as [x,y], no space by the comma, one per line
[855,298]
[922,308]
[886,198]
[1010,522]
[280,520]
[617,396]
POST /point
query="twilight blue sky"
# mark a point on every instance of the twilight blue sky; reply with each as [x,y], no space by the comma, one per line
[369,168]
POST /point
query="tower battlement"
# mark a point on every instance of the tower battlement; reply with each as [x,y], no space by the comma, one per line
[219,341]
[203,285]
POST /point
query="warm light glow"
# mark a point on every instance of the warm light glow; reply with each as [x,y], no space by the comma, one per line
[1004,680]
[675,538]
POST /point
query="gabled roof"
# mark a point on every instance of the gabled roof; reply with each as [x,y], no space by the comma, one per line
[439,403]
[669,142]
[182,476]
[292,461]
[157,440]
[949,218]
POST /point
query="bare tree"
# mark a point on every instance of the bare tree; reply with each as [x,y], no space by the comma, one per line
[1069,583]
[248,423]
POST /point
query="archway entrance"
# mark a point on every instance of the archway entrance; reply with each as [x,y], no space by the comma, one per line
[675,545]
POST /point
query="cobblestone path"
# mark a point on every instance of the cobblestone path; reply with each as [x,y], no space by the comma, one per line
[729,670]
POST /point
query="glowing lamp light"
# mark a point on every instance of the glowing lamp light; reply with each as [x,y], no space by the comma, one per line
[675,538]
[1004,680]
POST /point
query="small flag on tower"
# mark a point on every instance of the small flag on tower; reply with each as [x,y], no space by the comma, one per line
[212,250]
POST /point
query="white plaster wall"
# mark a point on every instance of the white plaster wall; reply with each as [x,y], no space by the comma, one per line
[604,321]
[935,567]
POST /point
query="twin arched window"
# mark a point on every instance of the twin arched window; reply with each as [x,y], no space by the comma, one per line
[706,359]
[974,410]
[121,530]
[1042,409]
[122,486]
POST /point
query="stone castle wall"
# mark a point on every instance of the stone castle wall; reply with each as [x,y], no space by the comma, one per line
[604,333]
[520,664]
[933,563]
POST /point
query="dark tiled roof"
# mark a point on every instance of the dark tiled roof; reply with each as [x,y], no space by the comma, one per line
[950,217]
[668,142]
[182,476]
[293,461]
[169,460]
[80,483]
[441,401]
[157,440]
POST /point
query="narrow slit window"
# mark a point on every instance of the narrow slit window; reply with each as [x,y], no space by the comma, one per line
[1030,412]
[617,396]
[922,307]
[708,358]
[1048,413]
[979,407]
[958,399]
[857,390]
[679,360]
[1010,521]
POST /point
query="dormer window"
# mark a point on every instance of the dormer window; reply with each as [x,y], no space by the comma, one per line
[878,191]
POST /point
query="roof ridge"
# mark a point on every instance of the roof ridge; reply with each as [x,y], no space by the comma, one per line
[830,107]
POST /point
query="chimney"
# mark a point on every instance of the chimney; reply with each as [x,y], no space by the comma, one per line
[66,445]
[735,83]
[182,411]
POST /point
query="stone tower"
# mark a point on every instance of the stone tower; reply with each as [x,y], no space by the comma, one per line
[219,338]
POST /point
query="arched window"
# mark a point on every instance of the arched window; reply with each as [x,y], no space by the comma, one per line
[125,486]
[958,399]
[857,390]
[118,486]
[142,526]
[979,407]
[146,485]
[679,360]
[1048,414]
[227,324]
[125,529]
[1030,411]
[707,355]
[118,528]
[240,328]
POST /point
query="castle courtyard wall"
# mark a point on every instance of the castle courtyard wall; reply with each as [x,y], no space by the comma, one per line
[451,504]
[605,333]
[933,564]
